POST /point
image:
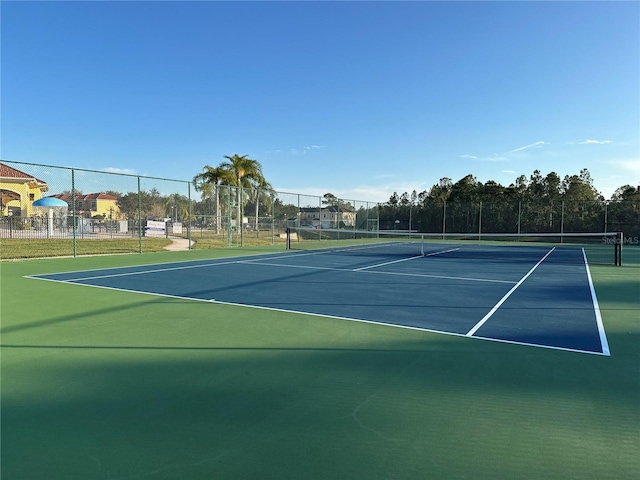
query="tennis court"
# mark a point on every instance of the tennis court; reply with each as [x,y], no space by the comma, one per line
[532,295]
[394,359]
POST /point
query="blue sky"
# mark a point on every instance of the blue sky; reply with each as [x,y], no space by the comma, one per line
[360,99]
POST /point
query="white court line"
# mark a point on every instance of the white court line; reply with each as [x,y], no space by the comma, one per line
[508,294]
[145,271]
[444,277]
[441,252]
[154,264]
[365,247]
[405,259]
[596,308]
[251,261]
[289,255]
[269,264]
[385,263]
[217,261]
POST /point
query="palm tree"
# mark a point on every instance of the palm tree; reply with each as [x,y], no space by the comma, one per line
[246,173]
[208,182]
[263,191]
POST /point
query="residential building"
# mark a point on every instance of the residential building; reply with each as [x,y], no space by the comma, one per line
[328,217]
[18,191]
[93,205]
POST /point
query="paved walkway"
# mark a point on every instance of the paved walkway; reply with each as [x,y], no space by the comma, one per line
[179,244]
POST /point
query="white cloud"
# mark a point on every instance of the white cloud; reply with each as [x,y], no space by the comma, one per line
[595,142]
[304,150]
[509,171]
[590,142]
[504,157]
[526,147]
[494,158]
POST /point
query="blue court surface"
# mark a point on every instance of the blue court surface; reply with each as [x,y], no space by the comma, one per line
[534,295]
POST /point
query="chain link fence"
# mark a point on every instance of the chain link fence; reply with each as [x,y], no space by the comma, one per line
[519,217]
[103,212]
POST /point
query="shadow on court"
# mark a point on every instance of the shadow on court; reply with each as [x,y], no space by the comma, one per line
[437,406]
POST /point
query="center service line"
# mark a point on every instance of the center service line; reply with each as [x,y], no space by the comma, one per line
[471,332]
[385,263]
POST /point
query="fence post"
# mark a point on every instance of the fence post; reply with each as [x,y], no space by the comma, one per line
[229,207]
[139,218]
[190,217]
[480,221]
[73,210]
[562,222]
[241,219]
[273,219]
[619,242]
[444,218]
[320,217]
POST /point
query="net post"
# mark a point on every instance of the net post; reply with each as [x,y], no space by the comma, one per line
[618,248]
[288,239]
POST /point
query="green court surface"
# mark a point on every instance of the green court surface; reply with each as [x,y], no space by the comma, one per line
[105,384]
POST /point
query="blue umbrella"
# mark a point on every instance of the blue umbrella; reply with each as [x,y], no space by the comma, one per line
[50,202]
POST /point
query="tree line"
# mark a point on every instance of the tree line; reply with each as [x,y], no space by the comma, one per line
[538,204]
[535,204]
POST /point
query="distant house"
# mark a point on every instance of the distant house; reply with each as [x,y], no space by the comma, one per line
[93,204]
[18,191]
[328,217]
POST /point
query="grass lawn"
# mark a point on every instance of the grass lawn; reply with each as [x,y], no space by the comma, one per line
[15,248]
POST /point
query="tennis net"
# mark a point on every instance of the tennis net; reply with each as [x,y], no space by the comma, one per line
[596,248]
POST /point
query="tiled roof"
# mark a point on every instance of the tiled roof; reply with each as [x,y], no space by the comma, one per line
[9,172]
[99,196]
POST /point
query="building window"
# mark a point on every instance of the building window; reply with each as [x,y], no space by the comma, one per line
[32,197]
